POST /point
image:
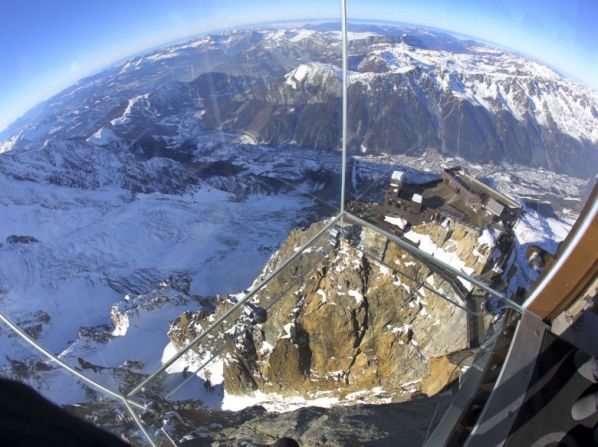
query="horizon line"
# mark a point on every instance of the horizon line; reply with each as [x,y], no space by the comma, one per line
[188,37]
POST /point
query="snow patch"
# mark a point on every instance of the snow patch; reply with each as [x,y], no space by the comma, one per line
[488,238]
[103,136]
[275,402]
[396,221]
[314,74]
[357,295]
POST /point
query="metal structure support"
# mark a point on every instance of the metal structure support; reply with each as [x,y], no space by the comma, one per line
[139,423]
[497,417]
[27,338]
[126,399]
[345,51]
[520,351]
[574,269]
[423,285]
[464,399]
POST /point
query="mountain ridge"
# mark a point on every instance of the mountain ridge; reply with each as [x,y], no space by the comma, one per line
[410,90]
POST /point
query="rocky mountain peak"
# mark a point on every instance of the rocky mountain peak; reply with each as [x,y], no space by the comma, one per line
[355,323]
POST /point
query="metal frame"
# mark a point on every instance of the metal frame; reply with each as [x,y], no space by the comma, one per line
[572,244]
[126,399]
[423,285]
[345,51]
[496,420]
[436,262]
[268,307]
[464,397]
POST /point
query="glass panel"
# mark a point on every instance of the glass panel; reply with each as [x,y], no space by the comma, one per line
[215,331]
[154,420]
[457,117]
[164,177]
[461,143]
[351,320]
[184,152]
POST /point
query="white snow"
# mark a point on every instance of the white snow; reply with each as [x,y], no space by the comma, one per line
[322,294]
[397,176]
[352,35]
[192,362]
[138,102]
[497,80]
[103,136]
[315,73]
[384,270]
[401,329]
[426,244]
[122,324]
[357,295]
[301,34]
[161,56]
[534,229]
[396,221]
[96,245]
[288,331]
[10,143]
[266,348]
[274,402]
[488,237]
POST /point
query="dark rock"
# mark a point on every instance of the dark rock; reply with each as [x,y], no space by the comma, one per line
[393,425]
[14,239]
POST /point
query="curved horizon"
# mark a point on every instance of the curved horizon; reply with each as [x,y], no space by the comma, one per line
[32,89]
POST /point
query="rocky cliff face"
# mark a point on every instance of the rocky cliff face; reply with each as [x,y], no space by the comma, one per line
[354,324]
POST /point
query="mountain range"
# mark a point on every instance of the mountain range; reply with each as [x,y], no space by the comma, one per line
[411,91]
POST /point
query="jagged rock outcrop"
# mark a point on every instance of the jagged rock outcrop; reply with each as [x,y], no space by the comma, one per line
[353,323]
[174,290]
[14,239]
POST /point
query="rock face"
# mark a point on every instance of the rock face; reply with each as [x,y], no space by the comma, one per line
[353,324]
[174,290]
[14,239]
[392,425]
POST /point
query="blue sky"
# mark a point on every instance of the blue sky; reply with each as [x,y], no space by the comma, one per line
[45,45]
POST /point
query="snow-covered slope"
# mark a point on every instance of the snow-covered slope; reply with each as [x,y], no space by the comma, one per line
[82,225]
[495,80]
[534,229]
[315,74]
